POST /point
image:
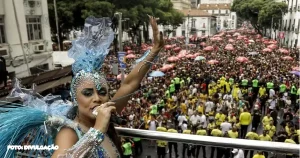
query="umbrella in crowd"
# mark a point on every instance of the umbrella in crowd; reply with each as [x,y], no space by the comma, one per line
[130,56]
[212,62]
[172,59]
[287,58]
[297,73]
[156,74]
[242,59]
[209,48]
[253,53]
[198,58]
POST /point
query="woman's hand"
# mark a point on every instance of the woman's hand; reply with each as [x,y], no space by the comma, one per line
[103,116]
[157,36]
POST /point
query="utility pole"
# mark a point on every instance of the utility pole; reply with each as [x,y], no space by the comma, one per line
[271,28]
[21,41]
[57,28]
[120,40]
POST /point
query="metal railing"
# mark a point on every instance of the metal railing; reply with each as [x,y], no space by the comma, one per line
[276,147]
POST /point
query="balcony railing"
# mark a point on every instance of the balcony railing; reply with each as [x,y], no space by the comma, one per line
[276,147]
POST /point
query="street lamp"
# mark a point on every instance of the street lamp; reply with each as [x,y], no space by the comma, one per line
[119,15]
[187,32]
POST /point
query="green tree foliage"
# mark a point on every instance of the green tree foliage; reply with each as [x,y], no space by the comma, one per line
[71,13]
[259,12]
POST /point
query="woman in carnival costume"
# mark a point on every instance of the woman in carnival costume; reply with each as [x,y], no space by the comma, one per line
[85,130]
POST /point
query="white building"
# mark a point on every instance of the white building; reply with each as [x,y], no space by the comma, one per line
[290,24]
[221,9]
[196,22]
[181,4]
[25,31]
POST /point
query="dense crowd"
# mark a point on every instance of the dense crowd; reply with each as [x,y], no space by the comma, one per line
[235,84]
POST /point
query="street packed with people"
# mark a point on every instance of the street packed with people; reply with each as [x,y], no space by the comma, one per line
[236,84]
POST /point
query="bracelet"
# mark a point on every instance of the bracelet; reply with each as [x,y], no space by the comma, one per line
[95,137]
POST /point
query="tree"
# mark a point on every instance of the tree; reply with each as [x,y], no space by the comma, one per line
[72,14]
[259,12]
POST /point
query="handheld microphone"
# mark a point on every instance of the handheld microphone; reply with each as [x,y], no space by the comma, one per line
[114,119]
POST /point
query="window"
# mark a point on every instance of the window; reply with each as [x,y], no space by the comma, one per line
[34,27]
[203,33]
[174,33]
[2,30]
[213,11]
[183,33]
[39,69]
[183,24]
[193,23]
[226,11]
[232,17]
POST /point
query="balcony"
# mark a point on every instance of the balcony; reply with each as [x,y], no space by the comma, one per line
[45,80]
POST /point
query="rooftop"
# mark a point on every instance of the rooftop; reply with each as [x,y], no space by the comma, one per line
[195,12]
[215,6]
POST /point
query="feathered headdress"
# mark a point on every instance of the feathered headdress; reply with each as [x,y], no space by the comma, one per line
[91,48]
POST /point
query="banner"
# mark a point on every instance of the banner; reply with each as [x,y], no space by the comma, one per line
[122,59]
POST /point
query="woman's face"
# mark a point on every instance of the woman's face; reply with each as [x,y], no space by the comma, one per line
[89,97]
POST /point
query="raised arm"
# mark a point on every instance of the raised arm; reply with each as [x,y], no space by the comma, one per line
[134,78]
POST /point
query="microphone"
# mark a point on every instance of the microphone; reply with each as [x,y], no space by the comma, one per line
[114,118]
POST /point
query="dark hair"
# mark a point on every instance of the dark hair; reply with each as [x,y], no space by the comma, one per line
[111,132]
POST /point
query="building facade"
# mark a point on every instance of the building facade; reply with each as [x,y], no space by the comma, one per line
[181,4]
[25,38]
[221,10]
[195,22]
[290,24]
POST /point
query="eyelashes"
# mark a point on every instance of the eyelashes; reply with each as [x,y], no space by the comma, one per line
[90,92]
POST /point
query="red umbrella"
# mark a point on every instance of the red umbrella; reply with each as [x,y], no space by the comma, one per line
[267,50]
[130,56]
[240,37]
[209,48]
[213,62]
[168,47]
[287,58]
[231,40]
[258,36]
[284,51]
[173,45]
[272,46]
[228,35]
[242,59]
[296,68]
[177,49]
[180,55]
[172,59]
[190,56]
[129,52]
[203,44]
[192,45]
[167,67]
[197,54]
[229,47]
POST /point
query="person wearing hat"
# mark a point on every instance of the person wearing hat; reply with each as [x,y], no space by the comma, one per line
[238,153]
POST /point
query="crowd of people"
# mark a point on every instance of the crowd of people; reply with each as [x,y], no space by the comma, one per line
[256,98]
[242,87]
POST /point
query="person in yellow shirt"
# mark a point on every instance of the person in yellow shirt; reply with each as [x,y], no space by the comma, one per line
[233,133]
[220,118]
[201,107]
[211,125]
[172,144]
[265,137]
[271,129]
[146,118]
[202,132]
[262,91]
[291,141]
[183,108]
[252,135]
[245,120]
[217,133]
[259,154]
[203,97]
[266,120]
[161,145]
